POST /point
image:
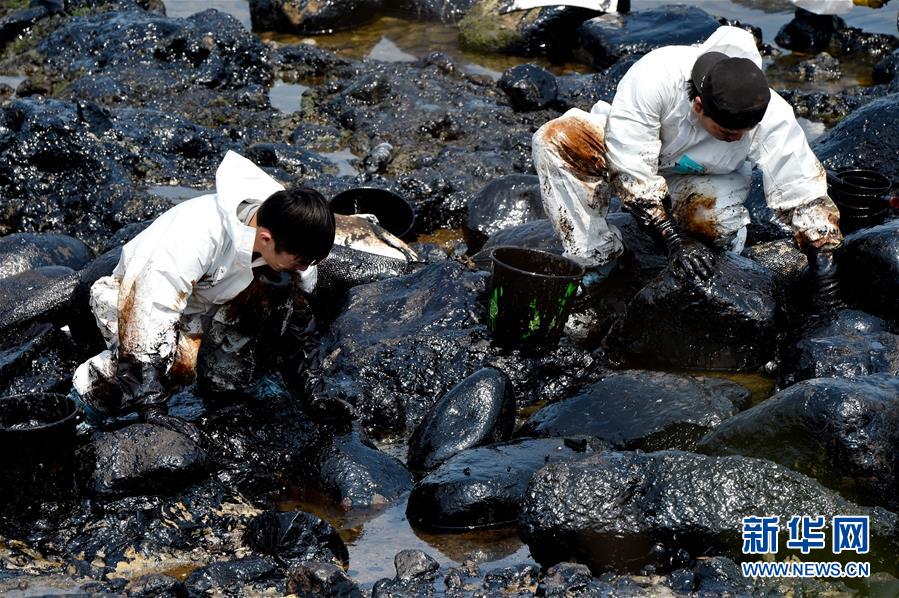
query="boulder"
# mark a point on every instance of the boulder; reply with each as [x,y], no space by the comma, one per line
[730,323]
[583,91]
[41,294]
[853,345]
[615,511]
[607,38]
[294,537]
[479,410]
[141,458]
[503,203]
[483,487]
[356,475]
[822,67]
[868,138]
[642,410]
[529,87]
[808,32]
[416,572]
[20,252]
[843,433]
[886,70]
[869,269]
[244,575]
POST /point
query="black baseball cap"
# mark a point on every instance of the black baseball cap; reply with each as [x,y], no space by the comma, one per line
[734,91]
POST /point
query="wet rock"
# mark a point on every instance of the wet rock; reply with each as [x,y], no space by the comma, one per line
[854,344]
[512,580]
[529,87]
[537,234]
[479,410]
[157,585]
[503,203]
[830,108]
[24,251]
[312,579]
[40,294]
[438,10]
[886,70]
[233,577]
[869,269]
[727,324]
[483,487]
[82,323]
[141,458]
[293,16]
[868,138]
[19,347]
[841,432]
[625,510]
[303,61]
[52,584]
[782,257]
[404,342]
[808,32]
[674,411]
[357,476]
[415,575]
[607,38]
[855,41]
[295,536]
[37,358]
[582,91]
[487,28]
[19,22]
[822,67]
[293,161]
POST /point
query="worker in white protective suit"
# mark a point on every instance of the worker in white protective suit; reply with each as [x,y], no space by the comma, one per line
[174,276]
[836,7]
[677,144]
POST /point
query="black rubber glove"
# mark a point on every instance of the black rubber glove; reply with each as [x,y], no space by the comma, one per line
[157,415]
[142,383]
[687,257]
[825,282]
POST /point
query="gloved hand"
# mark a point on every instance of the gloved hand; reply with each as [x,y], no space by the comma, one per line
[141,383]
[687,258]
[825,282]
[157,415]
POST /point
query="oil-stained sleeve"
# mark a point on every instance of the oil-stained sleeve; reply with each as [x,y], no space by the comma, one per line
[795,181]
[158,278]
[633,131]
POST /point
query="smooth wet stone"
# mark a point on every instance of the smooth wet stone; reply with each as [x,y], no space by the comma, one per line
[808,32]
[141,458]
[841,432]
[869,269]
[537,234]
[503,203]
[483,487]
[314,578]
[404,342]
[642,410]
[609,37]
[356,475]
[41,294]
[295,16]
[886,70]
[529,87]
[479,410]
[855,344]
[729,323]
[615,511]
[851,143]
[21,252]
[294,537]
[156,585]
[230,577]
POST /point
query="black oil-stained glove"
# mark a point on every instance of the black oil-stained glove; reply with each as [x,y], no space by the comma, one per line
[825,282]
[157,415]
[142,383]
[687,257]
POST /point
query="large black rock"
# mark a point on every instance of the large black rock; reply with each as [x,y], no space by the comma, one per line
[294,537]
[869,269]
[642,410]
[626,510]
[609,37]
[249,574]
[529,87]
[503,203]
[729,323]
[44,293]
[25,251]
[843,433]
[808,32]
[479,410]
[483,487]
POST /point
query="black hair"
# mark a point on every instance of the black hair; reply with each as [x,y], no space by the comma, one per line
[301,222]
[692,91]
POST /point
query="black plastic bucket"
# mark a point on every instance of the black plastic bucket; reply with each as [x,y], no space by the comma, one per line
[394,213]
[37,439]
[862,197]
[531,294]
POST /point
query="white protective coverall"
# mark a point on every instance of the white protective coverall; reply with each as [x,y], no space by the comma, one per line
[178,271]
[649,143]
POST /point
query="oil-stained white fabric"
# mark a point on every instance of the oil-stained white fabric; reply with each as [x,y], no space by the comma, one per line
[726,215]
[825,7]
[576,204]
[653,136]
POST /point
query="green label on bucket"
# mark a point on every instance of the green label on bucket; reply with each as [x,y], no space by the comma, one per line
[534,323]
[494,308]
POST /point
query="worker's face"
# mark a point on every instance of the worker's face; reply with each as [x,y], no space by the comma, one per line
[714,129]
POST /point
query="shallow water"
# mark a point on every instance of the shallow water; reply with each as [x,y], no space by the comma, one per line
[374,537]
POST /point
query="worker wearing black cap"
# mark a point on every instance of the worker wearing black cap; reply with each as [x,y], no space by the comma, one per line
[677,145]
